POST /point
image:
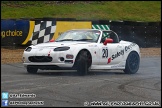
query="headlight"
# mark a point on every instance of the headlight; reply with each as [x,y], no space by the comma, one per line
[61,48]
[28,49]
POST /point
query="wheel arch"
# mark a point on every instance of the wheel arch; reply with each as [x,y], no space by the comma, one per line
[134,51]
[84,49]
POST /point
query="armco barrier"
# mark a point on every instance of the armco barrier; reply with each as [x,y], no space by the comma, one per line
[27,31]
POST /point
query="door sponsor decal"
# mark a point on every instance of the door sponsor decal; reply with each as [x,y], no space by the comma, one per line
[117,54]
[129,47]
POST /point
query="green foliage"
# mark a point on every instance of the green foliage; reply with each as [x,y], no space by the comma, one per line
[103,10]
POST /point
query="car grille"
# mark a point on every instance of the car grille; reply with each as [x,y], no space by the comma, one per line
[40,59]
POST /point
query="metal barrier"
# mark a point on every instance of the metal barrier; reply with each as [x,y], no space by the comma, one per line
[23,31]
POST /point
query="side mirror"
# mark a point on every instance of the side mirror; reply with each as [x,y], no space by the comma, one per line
[52,40]
[108,41]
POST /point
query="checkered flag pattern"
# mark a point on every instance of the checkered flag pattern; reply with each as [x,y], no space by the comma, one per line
[101,27]
[43,31]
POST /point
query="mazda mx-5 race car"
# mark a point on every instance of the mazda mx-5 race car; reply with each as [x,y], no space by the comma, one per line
[83,50]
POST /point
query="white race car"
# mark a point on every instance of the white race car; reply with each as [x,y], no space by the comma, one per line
[83,50]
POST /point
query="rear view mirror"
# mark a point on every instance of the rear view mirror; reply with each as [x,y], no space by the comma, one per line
[52,40]
[108,41]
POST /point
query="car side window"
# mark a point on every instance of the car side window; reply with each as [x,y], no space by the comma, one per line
[111,35]
[114,37]
[104,37]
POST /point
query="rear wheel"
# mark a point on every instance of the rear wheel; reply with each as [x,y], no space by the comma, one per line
[132,63]
[32,70]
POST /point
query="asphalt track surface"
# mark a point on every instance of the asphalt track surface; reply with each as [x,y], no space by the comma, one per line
[66,88]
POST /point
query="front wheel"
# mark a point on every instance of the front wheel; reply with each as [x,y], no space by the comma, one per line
[82,65]
[132,63]
[32,70]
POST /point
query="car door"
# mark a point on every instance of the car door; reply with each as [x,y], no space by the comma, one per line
[110,54]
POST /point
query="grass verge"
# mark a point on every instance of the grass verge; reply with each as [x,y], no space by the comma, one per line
[104,10]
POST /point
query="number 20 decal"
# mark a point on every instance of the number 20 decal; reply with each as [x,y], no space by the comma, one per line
[104,53]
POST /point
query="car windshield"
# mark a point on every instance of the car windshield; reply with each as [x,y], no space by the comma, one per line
[79,35]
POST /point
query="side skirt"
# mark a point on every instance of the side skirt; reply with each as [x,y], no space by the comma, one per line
[121,66]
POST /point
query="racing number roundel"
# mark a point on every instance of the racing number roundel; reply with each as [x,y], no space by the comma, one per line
[104,53]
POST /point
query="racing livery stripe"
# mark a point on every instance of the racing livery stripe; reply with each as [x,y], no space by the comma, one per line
[49,53]
[109,60]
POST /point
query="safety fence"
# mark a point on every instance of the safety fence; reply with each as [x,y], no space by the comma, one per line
[24,32]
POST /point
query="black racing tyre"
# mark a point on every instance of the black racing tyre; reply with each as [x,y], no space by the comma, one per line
[32,70]
[132,63]
[82,65]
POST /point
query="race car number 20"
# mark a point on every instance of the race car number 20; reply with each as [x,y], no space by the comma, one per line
[104,53]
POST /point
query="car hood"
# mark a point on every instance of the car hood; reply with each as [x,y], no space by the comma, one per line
[58,44]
